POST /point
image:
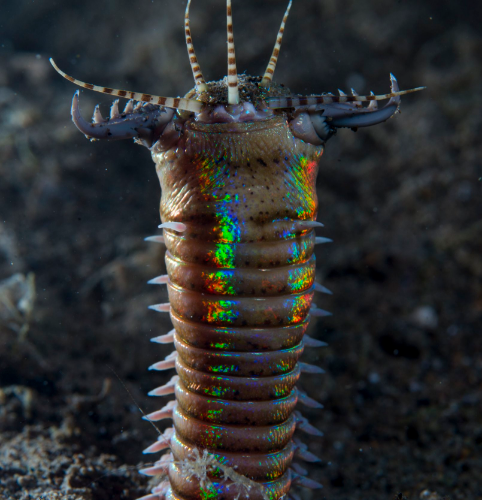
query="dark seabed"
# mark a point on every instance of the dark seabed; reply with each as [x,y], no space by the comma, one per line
[402,202]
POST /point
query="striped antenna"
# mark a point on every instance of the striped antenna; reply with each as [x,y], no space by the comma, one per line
[233,91]
[293,102]
[268,74]
[196,69]
[169,102]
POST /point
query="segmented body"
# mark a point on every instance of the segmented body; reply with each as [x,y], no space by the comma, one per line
[237,164]
[241,283]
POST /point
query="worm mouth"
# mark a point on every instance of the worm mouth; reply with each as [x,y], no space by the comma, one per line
[244,112]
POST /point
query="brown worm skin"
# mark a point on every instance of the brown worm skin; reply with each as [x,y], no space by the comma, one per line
[240,286]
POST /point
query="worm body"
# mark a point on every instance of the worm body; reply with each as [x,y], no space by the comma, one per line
[237,161]
[241,284]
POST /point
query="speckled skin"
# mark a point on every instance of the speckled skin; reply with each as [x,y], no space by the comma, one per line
[240,286]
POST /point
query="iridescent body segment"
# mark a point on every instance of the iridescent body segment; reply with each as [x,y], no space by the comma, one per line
[237,161]
[241,284]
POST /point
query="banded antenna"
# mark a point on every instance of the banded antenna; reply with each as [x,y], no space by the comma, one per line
[268,74]
[296,101]
[169,102]
[233,91]
[196,69]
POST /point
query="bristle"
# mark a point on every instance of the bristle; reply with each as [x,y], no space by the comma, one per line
[162,280]
[309,342]
[302,451]
[165,412]
[268,75]
[307,401]
[196,69]
[305,426]
[155,239]
[163,442]
[175,226]
[306,482]
[166,307]
[165,389]
[308,224]
[316,311]
[299,469]
[233,91]
[320,240]
[318,288]
[169,102]
[168,363]
[151,473]
[168,338]
[307,368]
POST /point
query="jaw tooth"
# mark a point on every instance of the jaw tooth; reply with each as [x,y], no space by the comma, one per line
[114,110]
[129,107]
[394,83]
[373,106]
[97,116]
[355,93]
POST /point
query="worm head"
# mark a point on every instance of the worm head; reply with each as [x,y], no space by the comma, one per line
[235,99]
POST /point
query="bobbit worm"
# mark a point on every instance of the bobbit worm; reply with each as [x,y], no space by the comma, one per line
[237,161]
